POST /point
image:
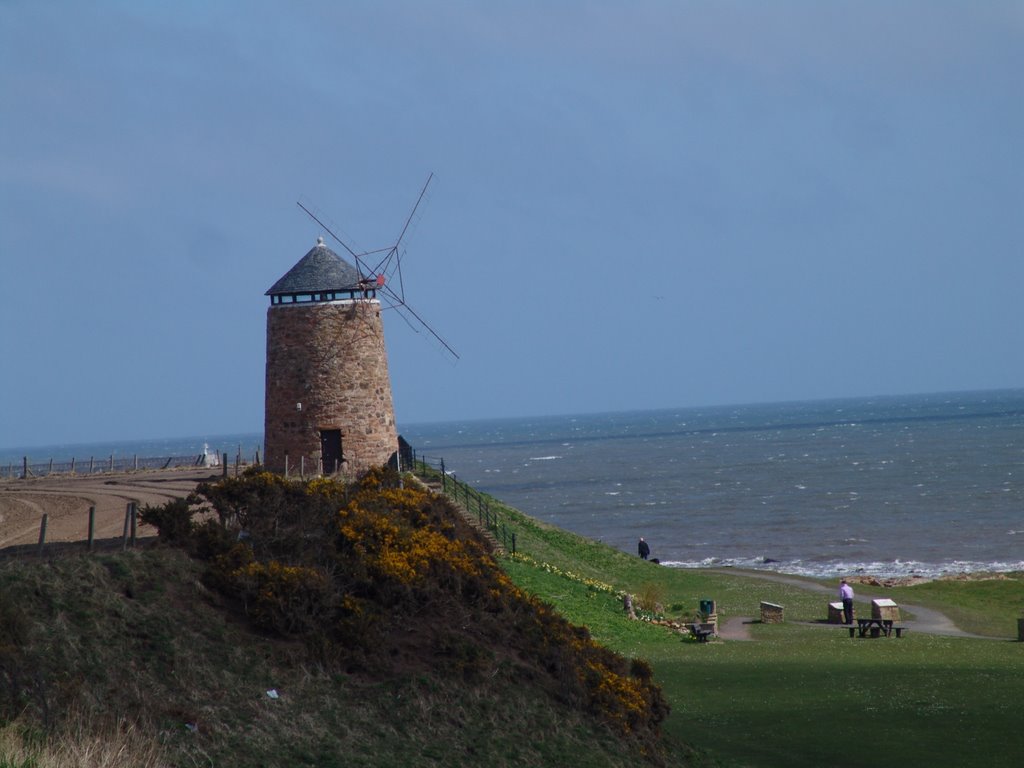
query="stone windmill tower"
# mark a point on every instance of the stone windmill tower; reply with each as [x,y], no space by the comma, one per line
[328,393]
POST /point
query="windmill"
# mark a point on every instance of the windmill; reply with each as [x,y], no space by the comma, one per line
[381,270]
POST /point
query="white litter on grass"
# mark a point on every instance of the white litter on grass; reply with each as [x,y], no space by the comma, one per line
[272,693]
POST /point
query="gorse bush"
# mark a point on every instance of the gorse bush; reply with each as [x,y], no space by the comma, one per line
[173,520]
[378,577]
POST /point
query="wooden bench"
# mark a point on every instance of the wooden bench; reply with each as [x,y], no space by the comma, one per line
[899,630]
[702,631]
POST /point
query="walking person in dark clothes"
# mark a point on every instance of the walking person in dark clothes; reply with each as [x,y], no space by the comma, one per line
[643,548]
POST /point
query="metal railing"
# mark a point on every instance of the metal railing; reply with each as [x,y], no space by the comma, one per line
[475,503]
[94,465]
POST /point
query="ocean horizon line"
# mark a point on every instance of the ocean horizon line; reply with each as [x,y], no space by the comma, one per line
[65,451]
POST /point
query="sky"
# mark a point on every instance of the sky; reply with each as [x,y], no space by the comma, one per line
[634,205]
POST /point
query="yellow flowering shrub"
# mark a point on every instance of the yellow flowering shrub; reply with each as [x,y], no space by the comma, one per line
[361,571]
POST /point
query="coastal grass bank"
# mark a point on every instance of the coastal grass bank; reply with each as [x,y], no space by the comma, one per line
[801,692]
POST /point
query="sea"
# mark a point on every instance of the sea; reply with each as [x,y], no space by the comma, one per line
[927,485]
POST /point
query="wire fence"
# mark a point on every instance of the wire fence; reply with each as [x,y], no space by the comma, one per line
[93,465]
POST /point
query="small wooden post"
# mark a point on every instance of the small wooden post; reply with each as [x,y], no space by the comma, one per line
[224,472]
[42,532]
[136,462]
[286,464]
[124,532]
[92,527]
[49,471]
[72,465]
[134,507]
[90,464]
[24,467]
[302,467]
[111,462]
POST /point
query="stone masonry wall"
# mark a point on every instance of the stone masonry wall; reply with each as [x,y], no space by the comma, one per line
[331,358]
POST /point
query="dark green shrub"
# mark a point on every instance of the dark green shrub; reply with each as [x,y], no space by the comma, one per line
[173,520]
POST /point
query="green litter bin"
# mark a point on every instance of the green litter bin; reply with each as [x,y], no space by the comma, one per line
[707,606]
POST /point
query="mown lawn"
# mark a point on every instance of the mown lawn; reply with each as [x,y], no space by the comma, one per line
[801,694]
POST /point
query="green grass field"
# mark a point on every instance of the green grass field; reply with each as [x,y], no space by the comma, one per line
[801,694]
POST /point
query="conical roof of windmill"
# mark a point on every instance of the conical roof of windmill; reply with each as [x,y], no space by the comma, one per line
[319,270]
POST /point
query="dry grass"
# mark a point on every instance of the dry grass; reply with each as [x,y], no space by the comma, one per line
[121,745]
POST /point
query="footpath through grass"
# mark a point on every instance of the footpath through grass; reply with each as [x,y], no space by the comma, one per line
[800,694]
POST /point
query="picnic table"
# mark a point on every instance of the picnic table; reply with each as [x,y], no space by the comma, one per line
[877,627]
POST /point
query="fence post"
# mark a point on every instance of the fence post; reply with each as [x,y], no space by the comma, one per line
[90,464]
[286,464]
[135,514]
[72,465]
[111,462]
[92,527]
[124,533]
[136,462]
[513,542]
[24,467]
[42,532]
[49,471]
[224,472]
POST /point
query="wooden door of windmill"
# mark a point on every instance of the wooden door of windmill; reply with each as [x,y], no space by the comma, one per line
[330,450]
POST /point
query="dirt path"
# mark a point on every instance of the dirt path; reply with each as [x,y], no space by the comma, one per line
[927,620]
[66,499]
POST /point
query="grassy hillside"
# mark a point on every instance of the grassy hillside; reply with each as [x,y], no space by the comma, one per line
[383,647]
[802,693]
[379,635]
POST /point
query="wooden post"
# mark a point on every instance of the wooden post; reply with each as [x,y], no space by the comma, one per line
[124,533]
[72,465]
[302,467]
[136,462]
[50,470]
[90,464]
[42,532]
[92,527]
[111,462]
[224,472]
[286,464]
[24,467]
[134,507]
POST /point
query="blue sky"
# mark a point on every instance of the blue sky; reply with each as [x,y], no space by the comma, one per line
[635,205]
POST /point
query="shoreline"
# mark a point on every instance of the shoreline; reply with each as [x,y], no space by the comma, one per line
[880,580]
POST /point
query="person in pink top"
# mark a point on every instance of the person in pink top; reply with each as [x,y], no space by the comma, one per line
[846,595]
